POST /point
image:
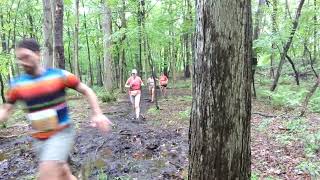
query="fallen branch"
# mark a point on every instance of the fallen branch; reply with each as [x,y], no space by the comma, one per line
[12,136]
[284,115]
[98,148]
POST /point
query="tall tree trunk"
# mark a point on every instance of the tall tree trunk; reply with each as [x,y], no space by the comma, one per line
[315,31]
[122,47]
[288,10]
[294,70]
[106,27]
[58,37]
[287,46]
[69,44]
[187,73]
[256,33]
[69,50]
[32,33]
[154,74]
[99,70]
[308,97]
[47,34]
[188,41]
[140,34]
[76,66]
[2,89]
[88,47]
[274,30]
[14,37]
[3,35]
[219,131]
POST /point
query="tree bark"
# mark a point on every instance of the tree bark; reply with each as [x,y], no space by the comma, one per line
[308,97]
[32,33]
[58,37]
[76,66]
[47,34]
[106,27]
[274,31]
[256,33]
[187,73]
[315,31]
[294,69]
[307,51]
[219,130]
[288,10]
[287,46]
[122,59]
[69,51]
[88,47]
[2,89]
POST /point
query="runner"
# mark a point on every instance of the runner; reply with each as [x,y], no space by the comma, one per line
[43,91]
[163,84]
[151,86]
[134,84]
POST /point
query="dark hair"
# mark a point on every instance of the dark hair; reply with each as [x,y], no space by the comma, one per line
[30,44]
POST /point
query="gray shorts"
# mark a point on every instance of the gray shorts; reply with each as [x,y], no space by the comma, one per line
[57,147]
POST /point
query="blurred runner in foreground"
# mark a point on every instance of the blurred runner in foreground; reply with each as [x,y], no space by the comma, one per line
[43,92]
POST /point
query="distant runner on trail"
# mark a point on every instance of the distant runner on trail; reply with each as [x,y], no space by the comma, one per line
[134,84]
[163,81]
[43,92]
[151,85]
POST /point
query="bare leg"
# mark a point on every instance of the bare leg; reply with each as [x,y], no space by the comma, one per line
[161,88]
[152,94]
[137,105]
[54,170]
[67,169]
[132,99]
[165,91]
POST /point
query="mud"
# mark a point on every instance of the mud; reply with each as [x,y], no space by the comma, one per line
[133,150]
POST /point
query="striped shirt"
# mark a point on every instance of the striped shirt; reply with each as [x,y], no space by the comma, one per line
[46,91]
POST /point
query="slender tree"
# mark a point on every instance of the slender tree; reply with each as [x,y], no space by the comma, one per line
[58,37]
[106,27]
[287,46]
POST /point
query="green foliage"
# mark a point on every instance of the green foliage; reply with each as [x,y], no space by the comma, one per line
[254,176]
[105,96]
[296,125]
[102,176]
[287,95]
[264,124]
[183,84]
[314,102]
[5,63]
[310,167]
[185,114]
[153,111]
[286,138]
[311,143]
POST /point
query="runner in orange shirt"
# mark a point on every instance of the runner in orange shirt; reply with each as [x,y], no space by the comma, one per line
[134,84]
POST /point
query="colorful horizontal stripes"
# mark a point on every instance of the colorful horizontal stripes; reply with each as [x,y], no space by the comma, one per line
[44,91]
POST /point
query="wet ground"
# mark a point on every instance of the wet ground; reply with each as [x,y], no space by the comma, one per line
[157,147]
[133,150]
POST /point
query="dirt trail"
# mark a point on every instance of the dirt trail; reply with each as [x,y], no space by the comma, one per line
[134,149]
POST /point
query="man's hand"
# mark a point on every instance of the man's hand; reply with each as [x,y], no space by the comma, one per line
[101,122]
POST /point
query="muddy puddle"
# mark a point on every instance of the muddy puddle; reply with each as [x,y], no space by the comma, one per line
[133,150]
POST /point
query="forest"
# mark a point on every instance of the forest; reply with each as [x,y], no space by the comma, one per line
[243,79]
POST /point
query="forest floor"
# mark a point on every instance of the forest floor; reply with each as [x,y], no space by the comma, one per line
[283,146]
